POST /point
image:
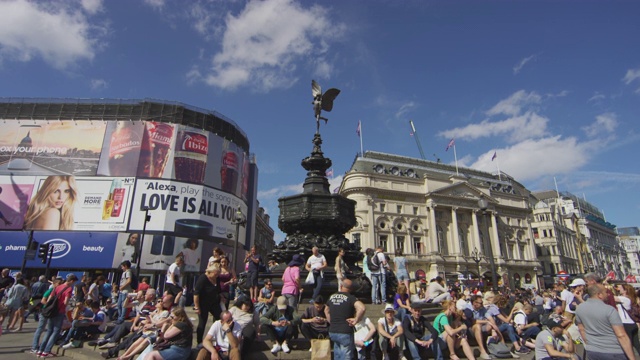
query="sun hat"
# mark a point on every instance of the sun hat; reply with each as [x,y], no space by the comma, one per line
[388,307]
[297,260]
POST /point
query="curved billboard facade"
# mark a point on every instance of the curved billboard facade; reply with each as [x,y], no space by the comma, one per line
[85,166]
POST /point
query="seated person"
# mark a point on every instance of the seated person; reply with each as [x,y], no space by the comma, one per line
[451,329]
[557,315]
[363,336]
[223,340]
[279,323]
[83,324]
[496,307]
[143,309]
[390,334]
[266,297]
[419,333]
[524,329]
[437,291]
[314,320]
[555,343]
[179,335]
[243,313]
[481,323]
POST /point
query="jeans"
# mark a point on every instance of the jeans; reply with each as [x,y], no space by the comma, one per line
[530,333]
[414,348]
[343,346]
[511,332]
[36,336]
[122,296]
[54,325]
[440,298]
[317,277]
[379,280]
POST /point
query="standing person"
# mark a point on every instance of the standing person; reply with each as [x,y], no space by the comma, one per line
[172,285]
[400,268]
[314,320]
[567,298]
[42,321]
[227,278]
[6,281]
[54,323]
[94,290]
[16,296]
[125,289]
[223,339]
[206,298]
[437,292]
[625,299]
[144,285]
[592,279]
[341,267]
[601,328]
[365,263]
[52,207]
[254,260]
[343,312]
[37,293]
[316,263]
[279,324]
[377,266]
[291,281]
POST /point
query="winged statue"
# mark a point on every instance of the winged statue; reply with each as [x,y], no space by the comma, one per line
[322,102]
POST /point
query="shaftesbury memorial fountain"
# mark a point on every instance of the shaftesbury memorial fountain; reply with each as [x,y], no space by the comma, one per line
[316,217]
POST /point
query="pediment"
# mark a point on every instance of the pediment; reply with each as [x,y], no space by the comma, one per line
[462,190]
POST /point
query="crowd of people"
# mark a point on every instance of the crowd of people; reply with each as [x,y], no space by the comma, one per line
[131,320]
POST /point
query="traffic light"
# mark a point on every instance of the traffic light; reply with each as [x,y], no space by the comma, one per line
[43,252]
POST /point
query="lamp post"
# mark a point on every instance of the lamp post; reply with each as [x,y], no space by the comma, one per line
[475,255]
[147,218]
[483,204]
[239,220]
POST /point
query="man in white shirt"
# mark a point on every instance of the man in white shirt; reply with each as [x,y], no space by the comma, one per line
[222,340]
[437,292]
[378,277]
[316,263]
[172,286]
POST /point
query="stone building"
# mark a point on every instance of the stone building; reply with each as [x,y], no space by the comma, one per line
[431,212]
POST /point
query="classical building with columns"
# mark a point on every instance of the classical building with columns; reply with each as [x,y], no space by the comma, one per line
[432,212]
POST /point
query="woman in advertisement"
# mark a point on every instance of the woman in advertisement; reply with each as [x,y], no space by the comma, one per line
[130,249]
[191,255]
[53,206]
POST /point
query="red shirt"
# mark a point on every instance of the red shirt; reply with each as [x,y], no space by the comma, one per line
[143,287]
[64,293]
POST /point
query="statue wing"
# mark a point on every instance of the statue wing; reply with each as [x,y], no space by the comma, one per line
[328,97]
[316,90]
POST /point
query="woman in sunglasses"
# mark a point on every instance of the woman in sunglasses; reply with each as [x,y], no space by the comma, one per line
[178,337]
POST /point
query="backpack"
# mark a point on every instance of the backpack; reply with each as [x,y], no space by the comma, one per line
[134,281]
[50,309]
[634,312]
[499,350]
[373,262]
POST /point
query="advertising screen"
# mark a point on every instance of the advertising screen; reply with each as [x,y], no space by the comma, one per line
[185,209]
[62,202]
[41,147]
[72,250]
[159,251]
[15,193]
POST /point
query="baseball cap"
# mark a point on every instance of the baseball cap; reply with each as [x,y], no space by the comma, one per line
[551,323]
[282,303]
[577,282]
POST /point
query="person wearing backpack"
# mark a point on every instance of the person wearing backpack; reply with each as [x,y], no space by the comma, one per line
[377,264]
[60,297]
[125,288]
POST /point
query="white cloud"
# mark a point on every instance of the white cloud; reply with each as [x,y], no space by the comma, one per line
[631,75]
[157,4]
[97,84]
[58,32]
[279,191]
[517,128]
[606,122]
[513,104]
[404,109]
[92,7]
[597,96]
[522,63]
[262,44]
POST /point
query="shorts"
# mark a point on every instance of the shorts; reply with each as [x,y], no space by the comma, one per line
[175,353]
[172,289]
[402,275]
[252,278]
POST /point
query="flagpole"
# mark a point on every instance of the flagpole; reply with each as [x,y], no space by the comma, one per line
[498,166]
[455,156]
[361,149]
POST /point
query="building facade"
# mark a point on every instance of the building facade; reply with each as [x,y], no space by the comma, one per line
[432,213]
[264,233]
[630,241]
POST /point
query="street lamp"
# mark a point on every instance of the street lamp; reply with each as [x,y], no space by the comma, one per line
[147,218]
[475,255]
[483,204]
[238,220]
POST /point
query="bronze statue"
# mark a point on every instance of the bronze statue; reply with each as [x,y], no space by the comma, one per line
[322,102]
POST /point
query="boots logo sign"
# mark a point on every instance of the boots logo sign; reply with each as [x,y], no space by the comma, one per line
[61,247]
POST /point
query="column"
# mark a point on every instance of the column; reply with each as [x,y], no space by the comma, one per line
[433,233]
[495,244]
[455,249]
[476,233]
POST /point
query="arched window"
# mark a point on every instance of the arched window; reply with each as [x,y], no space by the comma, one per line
[442,241]
[462,239]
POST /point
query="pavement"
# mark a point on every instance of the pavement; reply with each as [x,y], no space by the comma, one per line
[16,346]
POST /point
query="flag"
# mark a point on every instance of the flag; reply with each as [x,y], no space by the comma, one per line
[329,172]
[495,155]
[335,191]
[451,143]
[358,128]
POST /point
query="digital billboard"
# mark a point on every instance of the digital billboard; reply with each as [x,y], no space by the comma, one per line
[71,250]
[184,209]
[40,147]
[15,193]
[62,202]
[159,251]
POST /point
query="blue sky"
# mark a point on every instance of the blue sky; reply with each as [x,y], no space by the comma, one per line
[553,87]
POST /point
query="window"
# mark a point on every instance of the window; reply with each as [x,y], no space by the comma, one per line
[356,239]
[399,208]
[399,226]
[535,233]
[382,242]
[415,210]
[442,242]
[462,238]
[544,233]
[508,221]
[438,215]
[382,207]
[550,233]
[400,243]
[417,246]
[382,225]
